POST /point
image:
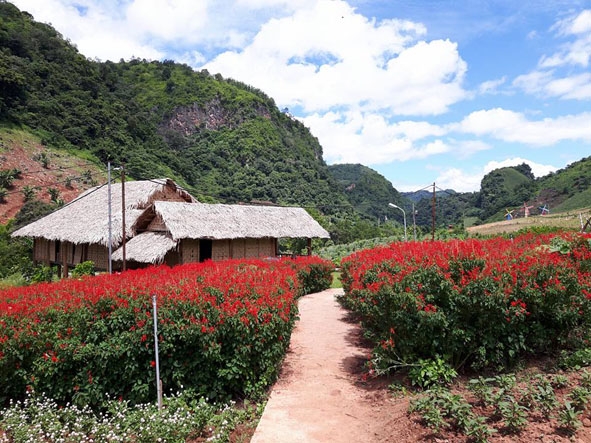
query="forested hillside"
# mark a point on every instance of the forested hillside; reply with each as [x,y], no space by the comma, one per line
[368,191]
[223,140]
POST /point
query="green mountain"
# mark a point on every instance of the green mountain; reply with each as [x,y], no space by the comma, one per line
[221,139]
[368,191]
[505,188]
[568,188]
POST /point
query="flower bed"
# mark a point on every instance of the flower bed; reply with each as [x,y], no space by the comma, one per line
[474,303]
[223,328]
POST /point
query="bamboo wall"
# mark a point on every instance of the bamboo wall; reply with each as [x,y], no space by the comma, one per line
[221,250]
[60,253]
[227,249]
[189,251]
[244,248]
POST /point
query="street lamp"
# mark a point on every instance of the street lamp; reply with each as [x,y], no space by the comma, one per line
[403,214]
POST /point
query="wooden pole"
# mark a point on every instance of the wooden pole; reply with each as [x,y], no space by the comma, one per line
[433,215]
[110,264]
[65,249]
[123,215]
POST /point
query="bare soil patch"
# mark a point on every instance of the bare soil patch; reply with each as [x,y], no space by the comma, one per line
[18,151]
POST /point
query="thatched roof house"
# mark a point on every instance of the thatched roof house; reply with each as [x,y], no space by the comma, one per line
[184,232]
[79,231]
[163,224]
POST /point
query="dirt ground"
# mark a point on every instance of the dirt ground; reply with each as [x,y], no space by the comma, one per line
[322,394]
[19,152]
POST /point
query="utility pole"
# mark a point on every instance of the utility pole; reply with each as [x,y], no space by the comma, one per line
[123,213]
[109,204]
[414,223]
[433,216]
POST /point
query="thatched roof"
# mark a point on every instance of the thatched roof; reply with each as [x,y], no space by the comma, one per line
[148,247]
[85,219]
[217,221]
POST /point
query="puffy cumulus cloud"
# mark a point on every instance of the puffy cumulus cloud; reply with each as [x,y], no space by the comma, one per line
[327,55]
[355,137]
[575,24]
[99,28]
[533,82]
[466,148]
[263,4]
[459,180]
[111,47]
[155,29]
[512,126]
[576,87]
[168,20]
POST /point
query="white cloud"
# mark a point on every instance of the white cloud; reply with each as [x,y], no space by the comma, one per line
[467,148]
[355,137]
[491,86]
[539,170]
[548,79]
[328,56]
[458,180]
[169,20]
[577,52]
[575,24]
[512,126]
[533,82]
[576,87]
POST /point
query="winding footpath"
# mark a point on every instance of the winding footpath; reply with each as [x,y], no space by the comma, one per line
[318,397]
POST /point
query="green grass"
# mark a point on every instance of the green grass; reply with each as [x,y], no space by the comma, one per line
[336,280]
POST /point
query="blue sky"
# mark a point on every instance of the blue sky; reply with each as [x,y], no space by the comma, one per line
[421,91]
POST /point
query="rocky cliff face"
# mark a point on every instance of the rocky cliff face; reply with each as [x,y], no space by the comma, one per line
[189,120]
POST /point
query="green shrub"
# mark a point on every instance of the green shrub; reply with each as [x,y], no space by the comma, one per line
[84,268]
[433,372]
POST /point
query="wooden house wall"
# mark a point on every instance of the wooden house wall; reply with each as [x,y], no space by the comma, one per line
[189,251]
[59,253]
[227,249]
[157,225]
[221,250]
[99,254]
[43,250]
[172,258]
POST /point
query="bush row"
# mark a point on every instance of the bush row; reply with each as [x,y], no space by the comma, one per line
[223,327]
[474,303]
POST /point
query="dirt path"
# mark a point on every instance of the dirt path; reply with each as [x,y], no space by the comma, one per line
[319,396]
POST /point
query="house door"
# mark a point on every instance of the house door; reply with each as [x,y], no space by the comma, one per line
[205,249]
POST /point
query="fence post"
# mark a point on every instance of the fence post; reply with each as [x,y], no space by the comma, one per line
[158,381]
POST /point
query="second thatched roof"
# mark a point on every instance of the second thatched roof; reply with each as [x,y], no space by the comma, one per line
[219,222]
